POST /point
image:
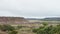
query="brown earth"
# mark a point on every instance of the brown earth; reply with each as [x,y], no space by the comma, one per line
[12,20]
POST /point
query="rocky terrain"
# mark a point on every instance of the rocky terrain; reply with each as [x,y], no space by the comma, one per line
[12,20]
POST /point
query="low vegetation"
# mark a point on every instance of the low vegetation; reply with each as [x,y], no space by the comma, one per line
[44,29]
[47,29]
[9,29]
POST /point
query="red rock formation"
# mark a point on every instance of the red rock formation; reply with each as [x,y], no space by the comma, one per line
[12,20]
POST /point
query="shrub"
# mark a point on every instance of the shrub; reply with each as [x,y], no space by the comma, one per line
[34,30]
[12,32]
[6,28]
[18,27]
[48,29]
[45,23]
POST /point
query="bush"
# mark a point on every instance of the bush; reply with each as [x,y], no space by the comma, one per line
[18,27]
[47,29]
[34,30]
[6,28]
[13,32]
[45,23]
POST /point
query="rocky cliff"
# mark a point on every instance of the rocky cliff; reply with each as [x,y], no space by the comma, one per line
[12,20]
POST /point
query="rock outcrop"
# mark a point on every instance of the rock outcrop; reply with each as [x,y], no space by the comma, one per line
[12,20]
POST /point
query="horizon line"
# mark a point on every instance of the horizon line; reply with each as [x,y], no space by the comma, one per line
[31,16]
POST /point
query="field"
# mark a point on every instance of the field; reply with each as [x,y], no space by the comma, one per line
[27,28]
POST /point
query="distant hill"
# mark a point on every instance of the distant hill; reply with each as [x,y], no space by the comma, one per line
[46,19]
[52,19]
[22,20]
[12,20]
[32,18]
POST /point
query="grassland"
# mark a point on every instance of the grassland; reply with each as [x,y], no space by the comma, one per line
[27,28]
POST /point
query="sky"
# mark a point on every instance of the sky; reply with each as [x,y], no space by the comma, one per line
[30,8]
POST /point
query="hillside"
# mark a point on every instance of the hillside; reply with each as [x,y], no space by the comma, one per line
[12,20]
[46,19]
[52,19]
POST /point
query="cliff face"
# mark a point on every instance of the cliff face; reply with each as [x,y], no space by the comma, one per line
[12,20]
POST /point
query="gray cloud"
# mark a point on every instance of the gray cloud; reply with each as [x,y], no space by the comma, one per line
[30,8]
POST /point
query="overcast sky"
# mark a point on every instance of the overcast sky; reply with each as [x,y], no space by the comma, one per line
[30,8]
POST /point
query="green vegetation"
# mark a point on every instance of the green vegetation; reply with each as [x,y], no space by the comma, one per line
[47,29]
[8,28]
[19,27]
[43,28]
[13,32]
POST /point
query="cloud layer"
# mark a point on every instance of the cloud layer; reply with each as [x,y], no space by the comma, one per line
[30,8]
